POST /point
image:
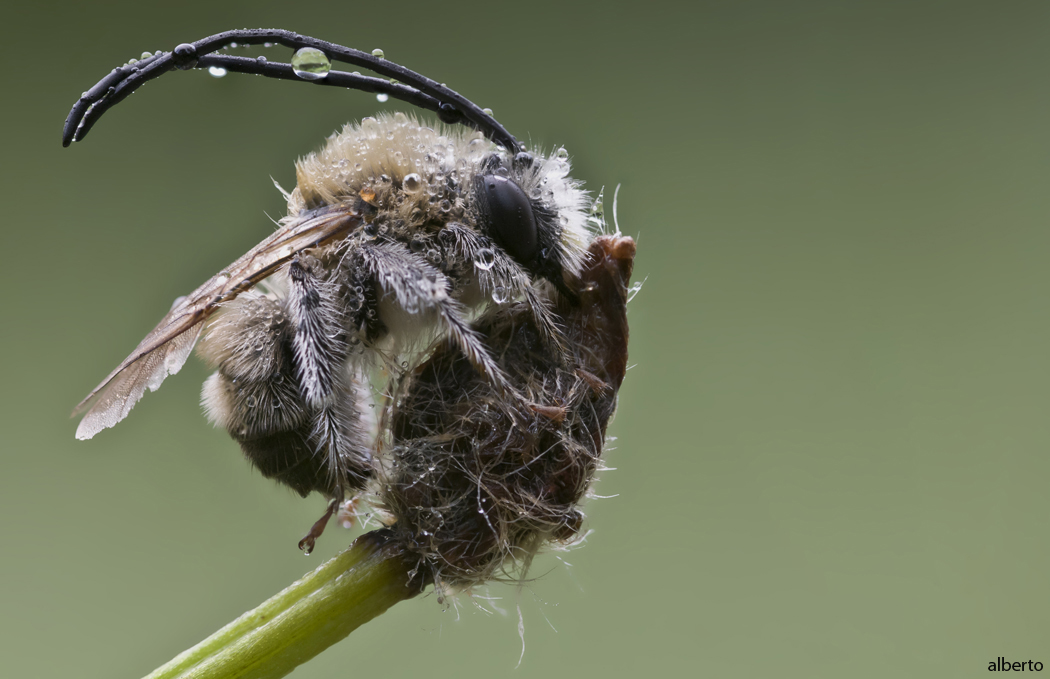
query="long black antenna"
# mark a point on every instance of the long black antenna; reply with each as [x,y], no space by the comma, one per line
[410,87]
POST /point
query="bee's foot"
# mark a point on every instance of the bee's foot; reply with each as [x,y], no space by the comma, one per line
[308,542]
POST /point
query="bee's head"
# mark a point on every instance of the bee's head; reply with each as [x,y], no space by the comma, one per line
[533,210]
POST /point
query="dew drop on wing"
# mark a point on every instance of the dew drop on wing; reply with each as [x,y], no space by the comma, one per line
[177,302]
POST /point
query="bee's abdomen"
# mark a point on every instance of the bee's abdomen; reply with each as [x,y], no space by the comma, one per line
[256,396]
[287,457]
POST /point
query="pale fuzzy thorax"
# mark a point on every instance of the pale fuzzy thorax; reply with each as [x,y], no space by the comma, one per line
[376,155]
[394,146]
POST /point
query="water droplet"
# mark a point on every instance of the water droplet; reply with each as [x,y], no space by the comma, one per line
[378,53]
[633,290]
[216,71]
[370,126]
[184,56]
[561,153]
[146,55]
[250,401]
[310,63]
[598,206]
[381,98]
[487,111]
[261,59]
[417,244]
[500,294]
[484,259]
[412,183]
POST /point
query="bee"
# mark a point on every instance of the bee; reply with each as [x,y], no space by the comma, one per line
[398,233]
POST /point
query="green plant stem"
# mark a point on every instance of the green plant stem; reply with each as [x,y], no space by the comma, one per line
[301,621]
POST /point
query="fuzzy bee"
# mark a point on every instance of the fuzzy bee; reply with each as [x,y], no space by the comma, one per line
[397,234]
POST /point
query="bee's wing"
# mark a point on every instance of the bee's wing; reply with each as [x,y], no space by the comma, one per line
[164,351]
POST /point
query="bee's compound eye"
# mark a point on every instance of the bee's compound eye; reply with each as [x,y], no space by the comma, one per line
[510,219]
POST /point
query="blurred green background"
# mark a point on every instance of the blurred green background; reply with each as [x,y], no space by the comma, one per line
[832,456]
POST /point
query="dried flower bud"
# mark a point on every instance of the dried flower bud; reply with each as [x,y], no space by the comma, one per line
[479,482]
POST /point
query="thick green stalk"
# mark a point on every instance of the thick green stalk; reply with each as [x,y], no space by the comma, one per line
[298,623]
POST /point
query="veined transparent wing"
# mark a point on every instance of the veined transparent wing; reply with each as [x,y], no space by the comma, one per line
[164,351]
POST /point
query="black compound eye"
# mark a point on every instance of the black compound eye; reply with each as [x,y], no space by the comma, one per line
[508,213]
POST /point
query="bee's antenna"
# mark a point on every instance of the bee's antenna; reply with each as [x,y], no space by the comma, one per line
[410,87]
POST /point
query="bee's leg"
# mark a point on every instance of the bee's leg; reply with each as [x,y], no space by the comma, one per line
[339,430]
[308,542]
[419,288]
[319,341]
[321,357]
[504,280]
